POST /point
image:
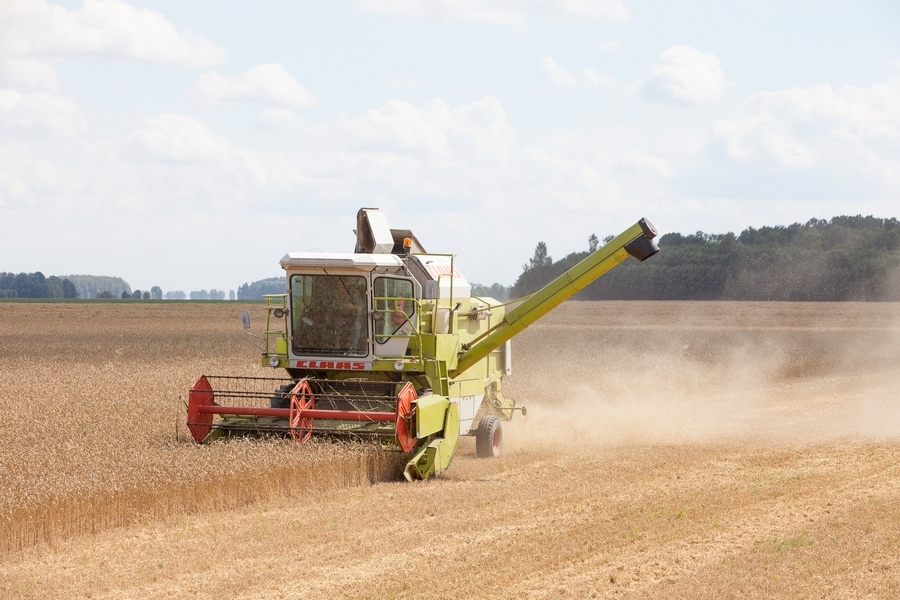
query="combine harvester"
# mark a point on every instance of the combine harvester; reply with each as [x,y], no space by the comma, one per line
[388,344]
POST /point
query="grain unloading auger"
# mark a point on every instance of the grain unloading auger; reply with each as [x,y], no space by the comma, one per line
[388,344]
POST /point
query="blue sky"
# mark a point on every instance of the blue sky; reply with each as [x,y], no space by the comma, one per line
[191,144]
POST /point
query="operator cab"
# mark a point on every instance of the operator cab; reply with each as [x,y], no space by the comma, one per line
[349,308]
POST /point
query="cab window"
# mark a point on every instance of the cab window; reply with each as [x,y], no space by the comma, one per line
[329,315]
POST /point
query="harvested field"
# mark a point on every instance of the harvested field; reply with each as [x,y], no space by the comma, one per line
[671,450]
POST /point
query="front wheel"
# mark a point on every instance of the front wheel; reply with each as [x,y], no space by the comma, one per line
[488,438]
[282,396]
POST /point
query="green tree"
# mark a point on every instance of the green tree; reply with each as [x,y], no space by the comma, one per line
[540,259]
[537,273]
[69,290]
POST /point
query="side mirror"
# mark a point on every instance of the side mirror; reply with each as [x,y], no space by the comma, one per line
[245,319]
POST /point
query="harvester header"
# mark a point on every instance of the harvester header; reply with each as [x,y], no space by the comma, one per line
[388,344]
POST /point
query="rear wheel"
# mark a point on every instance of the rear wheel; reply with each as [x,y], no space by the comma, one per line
[488,438]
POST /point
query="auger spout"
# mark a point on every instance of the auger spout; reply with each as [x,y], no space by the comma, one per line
[636,241]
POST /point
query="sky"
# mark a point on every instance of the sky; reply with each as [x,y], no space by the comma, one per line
[190,145]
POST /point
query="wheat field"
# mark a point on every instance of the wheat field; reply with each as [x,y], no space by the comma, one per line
[94,435]
[671,450]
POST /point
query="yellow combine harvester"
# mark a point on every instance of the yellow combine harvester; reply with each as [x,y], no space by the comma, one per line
[388,343]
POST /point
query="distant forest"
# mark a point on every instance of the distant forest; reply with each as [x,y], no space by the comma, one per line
[35,285]
[97,286]
[255,290]
[845,258]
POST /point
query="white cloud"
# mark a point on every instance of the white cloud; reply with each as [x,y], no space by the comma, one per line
[852,128]
[39,113]
[647,164]
[595,80]
[177,138]
[385,156]
[171,164]
[602,175]
[501,12]
[562,77]
[267,83]
[276,118]
[100,27]
[610,46]
[24,73]
[764,138]
[687,75]
[557,74]
[476,130]
[561,180]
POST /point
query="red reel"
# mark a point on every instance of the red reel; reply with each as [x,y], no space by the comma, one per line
[406,397]
[200,424]
[301,399]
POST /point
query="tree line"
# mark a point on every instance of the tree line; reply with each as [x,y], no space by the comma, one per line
[844,258]
[255,290]
[35,285]
[100,286]
[496,291]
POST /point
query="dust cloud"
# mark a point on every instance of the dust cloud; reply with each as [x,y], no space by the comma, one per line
[624,373]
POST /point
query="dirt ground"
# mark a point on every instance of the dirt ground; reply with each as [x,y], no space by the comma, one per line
[671,450]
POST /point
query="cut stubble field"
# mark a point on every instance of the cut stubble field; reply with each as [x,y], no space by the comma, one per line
[696,450]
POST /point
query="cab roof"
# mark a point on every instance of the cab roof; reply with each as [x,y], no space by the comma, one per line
[293,260]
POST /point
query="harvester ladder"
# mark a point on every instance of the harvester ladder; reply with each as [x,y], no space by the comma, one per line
[276,337]
[437,372]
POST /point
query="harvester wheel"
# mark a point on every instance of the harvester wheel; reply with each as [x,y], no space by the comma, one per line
[488,438]
[282,396]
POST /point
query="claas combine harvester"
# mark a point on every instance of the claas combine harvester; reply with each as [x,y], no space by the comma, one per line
[389,344]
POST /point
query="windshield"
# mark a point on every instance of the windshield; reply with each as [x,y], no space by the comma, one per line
[329,315]
[391,306]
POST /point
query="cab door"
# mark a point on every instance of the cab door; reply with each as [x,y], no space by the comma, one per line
[395,316]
